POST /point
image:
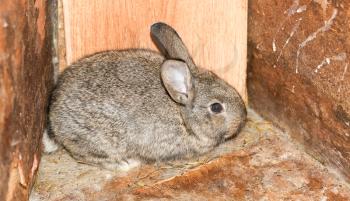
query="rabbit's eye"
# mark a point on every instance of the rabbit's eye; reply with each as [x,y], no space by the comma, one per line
[216,107]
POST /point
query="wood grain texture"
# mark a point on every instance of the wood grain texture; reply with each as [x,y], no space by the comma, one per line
[312,105]
[25,82]
[215,32]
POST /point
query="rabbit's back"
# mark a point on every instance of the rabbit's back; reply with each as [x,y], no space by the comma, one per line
[115,99]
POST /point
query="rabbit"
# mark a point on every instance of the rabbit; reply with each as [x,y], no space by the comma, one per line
[120,108]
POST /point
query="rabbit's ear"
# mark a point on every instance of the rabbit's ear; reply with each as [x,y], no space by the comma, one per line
[177,80]
[170,44]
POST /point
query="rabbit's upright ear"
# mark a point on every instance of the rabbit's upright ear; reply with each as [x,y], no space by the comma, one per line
[170,44]
[177,80]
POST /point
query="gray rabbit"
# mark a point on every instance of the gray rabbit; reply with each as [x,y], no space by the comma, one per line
[118,108]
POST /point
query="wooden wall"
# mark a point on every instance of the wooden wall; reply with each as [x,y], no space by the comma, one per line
[214,31]
[299,74]
[25,81]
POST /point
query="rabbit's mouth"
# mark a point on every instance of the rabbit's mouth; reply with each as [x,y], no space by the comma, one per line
[229,136]
[236,128]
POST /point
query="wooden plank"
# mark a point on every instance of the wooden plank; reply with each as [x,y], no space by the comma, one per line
[308,91]
[214,31]
[25,82]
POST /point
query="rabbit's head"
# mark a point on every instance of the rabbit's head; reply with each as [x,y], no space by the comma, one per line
[210,108]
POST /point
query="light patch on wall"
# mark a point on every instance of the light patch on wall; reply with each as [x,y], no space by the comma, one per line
[327,25]
[323,3]
[339,57]
[343,76]
[293,9]
[5,24]
[294,30]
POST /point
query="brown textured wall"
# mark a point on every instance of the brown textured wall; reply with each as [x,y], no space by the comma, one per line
[299,72]
[25,80]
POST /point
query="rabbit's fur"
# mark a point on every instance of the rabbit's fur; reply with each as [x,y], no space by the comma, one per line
[118,107]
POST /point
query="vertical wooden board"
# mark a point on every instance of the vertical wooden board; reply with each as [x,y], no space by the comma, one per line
[25,82]
[215,32]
